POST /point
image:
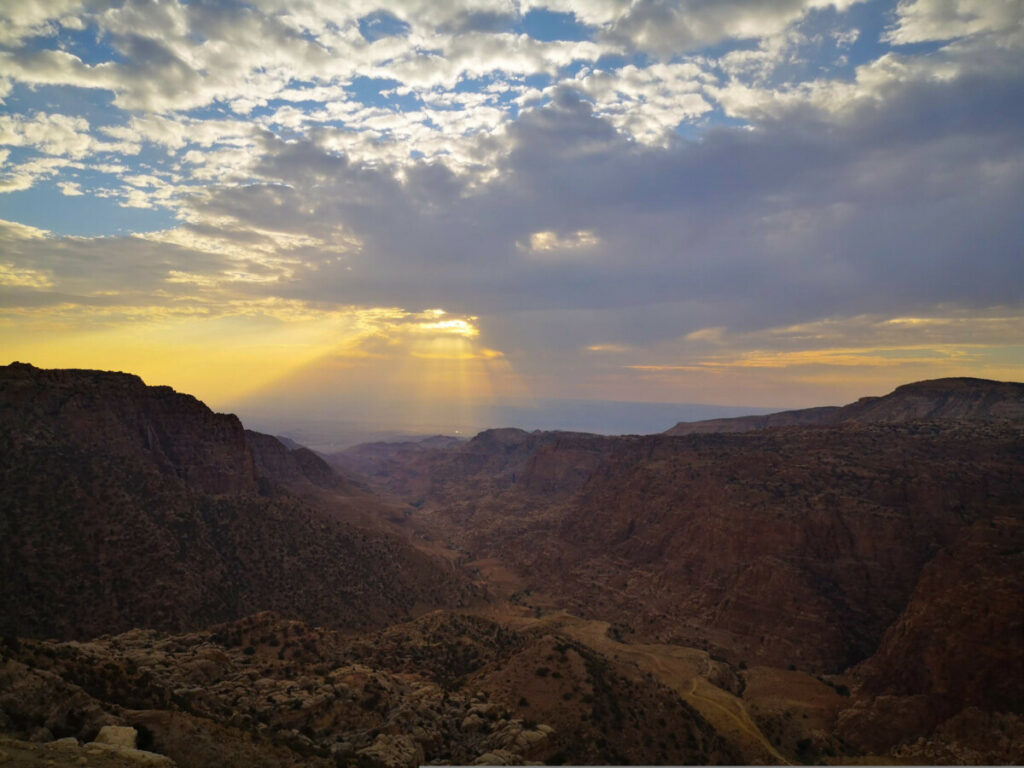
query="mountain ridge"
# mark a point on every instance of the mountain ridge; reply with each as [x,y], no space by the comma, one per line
[948,398]
[131,506]
[741,574]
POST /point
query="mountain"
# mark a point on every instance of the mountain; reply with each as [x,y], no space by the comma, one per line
[882,547]
[954,398]
[129,506]
[954,658]
[816,593]
[797,546]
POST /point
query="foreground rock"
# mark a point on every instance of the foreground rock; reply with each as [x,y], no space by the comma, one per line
[268,692]
[69,753]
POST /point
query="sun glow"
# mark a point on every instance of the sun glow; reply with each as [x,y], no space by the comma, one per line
[395,359]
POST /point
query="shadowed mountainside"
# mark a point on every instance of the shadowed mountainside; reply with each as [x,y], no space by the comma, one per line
[789,546]
[132,506]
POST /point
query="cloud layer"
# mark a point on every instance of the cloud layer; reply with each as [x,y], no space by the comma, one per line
[627,197]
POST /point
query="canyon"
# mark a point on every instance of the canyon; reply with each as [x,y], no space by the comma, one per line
[835,585]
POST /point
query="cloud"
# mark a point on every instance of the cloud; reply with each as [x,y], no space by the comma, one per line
[613,193]
[919,21]
[20,176]
[53,134]
[30,18]
[648,103]
[21,277]
[547,241]
[666,28]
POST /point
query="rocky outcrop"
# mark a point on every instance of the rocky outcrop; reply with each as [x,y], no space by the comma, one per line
[394,751]
[118,416]
[942,399]
[121,740]
[264,691]
[70,753]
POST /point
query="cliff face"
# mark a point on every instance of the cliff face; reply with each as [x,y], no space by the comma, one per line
[938,399]
[118,416]
[957,645]
[792,546]
[127,506]
[797,546]
[960,637]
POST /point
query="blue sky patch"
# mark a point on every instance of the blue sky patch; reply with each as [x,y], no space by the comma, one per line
[379,24]
[542,24]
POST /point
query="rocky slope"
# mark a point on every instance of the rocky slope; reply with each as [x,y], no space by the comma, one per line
[942,399]
[293,467]
[792,546]
[802,593]
[128,506]
[956,651]
[263,691]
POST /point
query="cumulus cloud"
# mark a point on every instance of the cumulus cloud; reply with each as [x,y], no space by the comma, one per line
[52,134]
[35,17]
[667,27]
[919,21]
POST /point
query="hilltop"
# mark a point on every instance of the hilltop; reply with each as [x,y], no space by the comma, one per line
[943,399]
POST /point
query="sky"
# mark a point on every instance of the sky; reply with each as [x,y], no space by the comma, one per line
[415,211]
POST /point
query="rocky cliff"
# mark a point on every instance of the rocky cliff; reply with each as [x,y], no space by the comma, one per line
[128,506]
[957,649]
[793,546]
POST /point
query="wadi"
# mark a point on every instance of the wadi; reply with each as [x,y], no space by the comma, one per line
[833,586]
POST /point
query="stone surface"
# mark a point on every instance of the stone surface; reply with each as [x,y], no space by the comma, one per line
[394,751]
[117,736]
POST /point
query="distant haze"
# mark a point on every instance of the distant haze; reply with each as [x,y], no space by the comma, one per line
[599,416]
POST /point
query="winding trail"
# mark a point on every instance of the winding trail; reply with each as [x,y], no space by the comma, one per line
[683,669]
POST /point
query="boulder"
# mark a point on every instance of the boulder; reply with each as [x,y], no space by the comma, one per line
[117,736]
[395,751]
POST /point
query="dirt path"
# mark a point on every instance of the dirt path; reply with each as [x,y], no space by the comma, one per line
[683,669]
